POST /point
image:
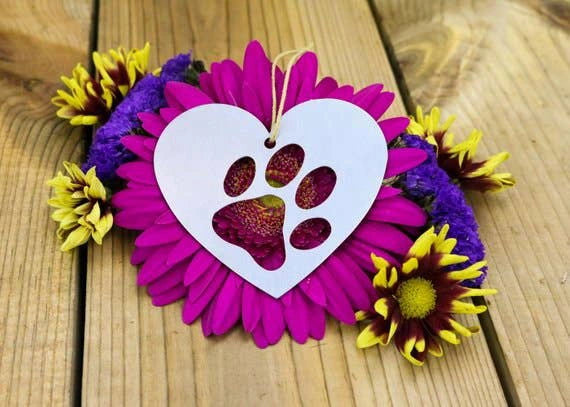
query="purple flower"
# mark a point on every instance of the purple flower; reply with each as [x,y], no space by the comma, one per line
[107,153]
[445,203]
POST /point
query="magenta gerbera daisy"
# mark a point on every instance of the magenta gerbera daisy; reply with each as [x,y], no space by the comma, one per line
[174,265]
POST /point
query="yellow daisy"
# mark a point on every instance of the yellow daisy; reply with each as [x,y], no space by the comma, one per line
[416,301]
[458,160]
[82,208]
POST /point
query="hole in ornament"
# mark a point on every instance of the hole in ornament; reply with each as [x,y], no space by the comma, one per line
[269,143]
[310,233]
[315,188]
[284,165]
[239,176]
[255,225]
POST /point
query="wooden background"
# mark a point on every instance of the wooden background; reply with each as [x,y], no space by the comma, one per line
[75,328]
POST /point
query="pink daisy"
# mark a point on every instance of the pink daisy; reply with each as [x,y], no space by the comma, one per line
[174,265]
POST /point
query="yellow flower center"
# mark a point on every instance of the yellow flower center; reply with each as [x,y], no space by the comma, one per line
[416,297]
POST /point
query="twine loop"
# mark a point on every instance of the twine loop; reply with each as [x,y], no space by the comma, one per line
[277,111]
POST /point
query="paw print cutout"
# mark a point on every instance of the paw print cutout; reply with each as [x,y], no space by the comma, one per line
[302,198]
[256,225]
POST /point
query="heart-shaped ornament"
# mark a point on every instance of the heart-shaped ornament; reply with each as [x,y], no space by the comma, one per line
[196,149]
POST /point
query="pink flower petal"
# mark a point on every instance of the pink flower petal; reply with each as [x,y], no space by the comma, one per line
[138,171]
[135,144]
[140,254]
[361,254]
[158,235]
[388,192]
[391,128]
[324,88]
[257,76]
[169,113]
[337,303]
[226,310]
[193,309]
[296,317]
[343,93]
[154,266]
[207,86]
[187,95]
[137,219]
[272,318]
[302,80]
[357,295]
[200,262]
[314,290]
[172,278]
[170,296]
[232,78]
[216,70]
[397,210]
[152,123]
[166,218]
[259,338]
[364,98]
[361,276]
[196,288]
[133,198]
[184,248]
[250,307]
[251,102]
[317,321]
[383,236]
[380,105]
[401,160]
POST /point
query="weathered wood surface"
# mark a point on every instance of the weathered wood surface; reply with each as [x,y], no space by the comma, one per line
[39,40]
[136,353]
[504,67]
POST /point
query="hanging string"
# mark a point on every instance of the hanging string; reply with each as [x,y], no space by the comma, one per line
[277,112]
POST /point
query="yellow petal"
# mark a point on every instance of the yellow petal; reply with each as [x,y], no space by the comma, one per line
[76,238]
[449,259]
[449,336]
[473,271]
[460,307]
[460,329]
[410,265]
[422,245]
[367,338]
[381,307]
[478,292]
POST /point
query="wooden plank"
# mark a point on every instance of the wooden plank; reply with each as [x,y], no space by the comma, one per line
[503,67]
[137,353]
[38,284]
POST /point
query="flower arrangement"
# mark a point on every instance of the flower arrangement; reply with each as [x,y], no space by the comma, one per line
[404,268]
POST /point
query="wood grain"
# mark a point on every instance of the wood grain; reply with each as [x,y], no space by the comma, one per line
[39,40]
[136,353]
[503,67]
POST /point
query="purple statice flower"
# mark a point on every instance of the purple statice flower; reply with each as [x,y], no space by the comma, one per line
[106,152]
[429,184]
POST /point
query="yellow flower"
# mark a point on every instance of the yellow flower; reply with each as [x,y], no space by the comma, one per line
[120,70]
[416,301]
[82,208]
[458,160]
[86,103]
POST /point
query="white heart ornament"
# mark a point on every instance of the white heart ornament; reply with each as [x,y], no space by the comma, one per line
[196,149]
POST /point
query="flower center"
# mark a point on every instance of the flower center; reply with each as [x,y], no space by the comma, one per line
[416,297]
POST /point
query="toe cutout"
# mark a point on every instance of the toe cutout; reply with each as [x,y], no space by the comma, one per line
[255,225]
[239,176]
[284,165]
[310,233]
[315,188]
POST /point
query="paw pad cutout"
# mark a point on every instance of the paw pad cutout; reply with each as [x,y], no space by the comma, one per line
[256,225]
